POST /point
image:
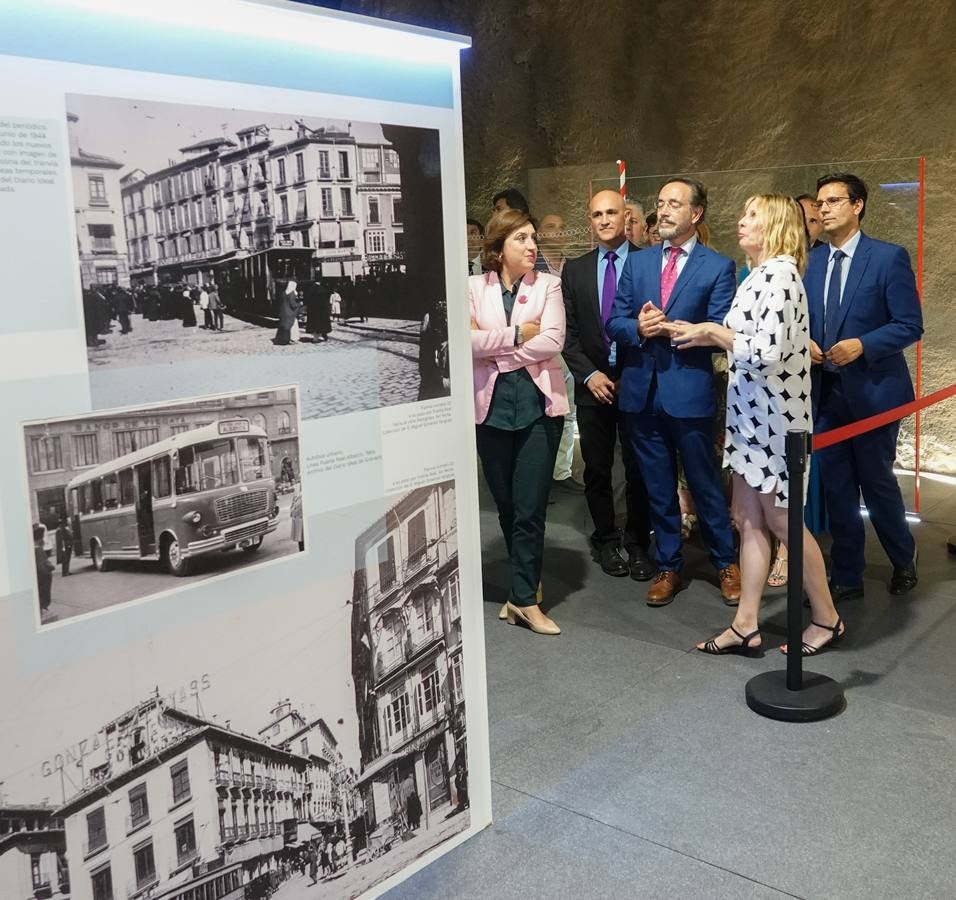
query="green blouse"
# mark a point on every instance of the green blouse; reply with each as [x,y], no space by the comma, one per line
[516,401]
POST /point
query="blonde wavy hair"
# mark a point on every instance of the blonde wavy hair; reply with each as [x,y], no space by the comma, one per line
[784,232]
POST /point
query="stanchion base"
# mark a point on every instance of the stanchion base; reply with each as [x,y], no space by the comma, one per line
[821,697]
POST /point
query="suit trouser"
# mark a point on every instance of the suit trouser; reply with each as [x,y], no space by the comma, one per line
[600,425]
[658,438]
[863,463]
[65,561]
[565,458]
[517,467]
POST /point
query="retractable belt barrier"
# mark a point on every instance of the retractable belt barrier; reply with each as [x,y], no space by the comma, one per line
[845,432]
[793,695]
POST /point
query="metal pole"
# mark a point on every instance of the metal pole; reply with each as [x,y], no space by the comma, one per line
[796,450]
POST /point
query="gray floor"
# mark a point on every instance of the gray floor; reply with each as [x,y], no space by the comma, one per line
[625,764]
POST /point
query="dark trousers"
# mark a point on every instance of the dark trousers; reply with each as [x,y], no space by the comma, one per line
[518,467]
[65,561]
[657,439]
[218,318]
[599,427]
[863,463]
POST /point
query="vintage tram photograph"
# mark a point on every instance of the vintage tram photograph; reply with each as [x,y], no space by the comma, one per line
[234,247]
[134,502]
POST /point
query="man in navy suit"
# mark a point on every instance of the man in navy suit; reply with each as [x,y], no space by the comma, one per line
[864,311]
[589,284]
[667,396]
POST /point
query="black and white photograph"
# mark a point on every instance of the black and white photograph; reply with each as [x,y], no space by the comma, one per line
[134,502]
[242,247]
[310,751]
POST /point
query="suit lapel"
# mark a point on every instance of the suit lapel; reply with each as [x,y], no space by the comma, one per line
[656,258]
[854,277]
[693,263]
[592,300]
[492,300]
[816,282]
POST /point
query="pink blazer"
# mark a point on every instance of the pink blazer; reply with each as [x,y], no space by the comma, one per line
[493,348]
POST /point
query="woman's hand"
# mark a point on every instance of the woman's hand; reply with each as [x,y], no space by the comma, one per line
[685,335]
[529,330]
[474,325]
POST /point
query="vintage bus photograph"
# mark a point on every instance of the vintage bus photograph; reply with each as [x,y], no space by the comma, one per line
[135,502]
[235,244]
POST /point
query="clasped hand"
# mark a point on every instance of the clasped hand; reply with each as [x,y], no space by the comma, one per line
[840,354]
[651,321]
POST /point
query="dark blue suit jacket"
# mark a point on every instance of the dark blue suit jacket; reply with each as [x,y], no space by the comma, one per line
[880,306]
[702,293]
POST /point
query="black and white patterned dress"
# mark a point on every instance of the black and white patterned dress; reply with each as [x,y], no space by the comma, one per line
[769,388]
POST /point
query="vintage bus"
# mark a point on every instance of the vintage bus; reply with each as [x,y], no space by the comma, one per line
[201,491]
[254,284]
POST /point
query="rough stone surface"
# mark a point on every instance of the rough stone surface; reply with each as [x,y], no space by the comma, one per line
[554,91]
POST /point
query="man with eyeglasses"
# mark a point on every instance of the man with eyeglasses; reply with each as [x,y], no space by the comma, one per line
[864,312]
[667,396]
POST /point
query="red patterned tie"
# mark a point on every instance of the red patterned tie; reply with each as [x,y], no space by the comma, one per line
[669,275]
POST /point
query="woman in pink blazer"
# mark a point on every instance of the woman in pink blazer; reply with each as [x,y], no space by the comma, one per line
[517,321]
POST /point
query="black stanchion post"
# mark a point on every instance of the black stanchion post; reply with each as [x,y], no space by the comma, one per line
[795,695]
[796,447]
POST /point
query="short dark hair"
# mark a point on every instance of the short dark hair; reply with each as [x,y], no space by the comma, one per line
[855,187]
[477,224]
[500,225]
[698,193]
[514,198]
[809,197]
[650,219]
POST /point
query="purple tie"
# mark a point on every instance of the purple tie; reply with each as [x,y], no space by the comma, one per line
[608,289]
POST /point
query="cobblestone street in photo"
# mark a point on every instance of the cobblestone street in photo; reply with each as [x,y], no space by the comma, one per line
[363,365]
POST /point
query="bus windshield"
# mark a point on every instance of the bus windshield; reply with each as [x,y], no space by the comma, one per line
[204,466]
[253,459]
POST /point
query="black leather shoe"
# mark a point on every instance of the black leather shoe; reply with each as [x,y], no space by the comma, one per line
[612,562]
[568,485]
[639,564]
[904,580]
[841,592]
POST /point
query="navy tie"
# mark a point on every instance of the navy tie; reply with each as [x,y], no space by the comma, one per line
[833,306]
[608,289]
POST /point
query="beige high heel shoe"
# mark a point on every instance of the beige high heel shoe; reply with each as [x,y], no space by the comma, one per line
[516,614]
[503,612]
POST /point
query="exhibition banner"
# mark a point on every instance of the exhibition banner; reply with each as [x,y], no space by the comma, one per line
[240,631]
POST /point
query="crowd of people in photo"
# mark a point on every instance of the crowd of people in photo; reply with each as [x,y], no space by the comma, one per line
[652,343]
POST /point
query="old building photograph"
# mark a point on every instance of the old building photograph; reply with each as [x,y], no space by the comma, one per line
[314,748]
[137,501]
[407,666]
[236,244]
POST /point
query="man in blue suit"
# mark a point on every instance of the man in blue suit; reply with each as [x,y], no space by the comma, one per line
[864,311]
[667,396]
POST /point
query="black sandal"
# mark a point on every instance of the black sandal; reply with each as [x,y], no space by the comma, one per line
[835,636]
[743,647]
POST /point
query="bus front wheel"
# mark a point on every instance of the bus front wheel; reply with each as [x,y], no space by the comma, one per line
[176,563]
[96,554]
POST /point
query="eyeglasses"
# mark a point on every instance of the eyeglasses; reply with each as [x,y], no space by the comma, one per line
[670,204]
[831,202]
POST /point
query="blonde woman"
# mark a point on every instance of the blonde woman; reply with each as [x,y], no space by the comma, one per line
[767,339]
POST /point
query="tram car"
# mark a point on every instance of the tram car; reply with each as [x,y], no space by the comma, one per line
[253,285]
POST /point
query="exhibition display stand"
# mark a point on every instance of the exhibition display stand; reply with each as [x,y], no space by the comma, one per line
[241,636]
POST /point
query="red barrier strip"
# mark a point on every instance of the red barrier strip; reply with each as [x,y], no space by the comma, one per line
[844,432]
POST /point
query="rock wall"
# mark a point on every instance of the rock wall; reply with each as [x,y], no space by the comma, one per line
[553,91]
